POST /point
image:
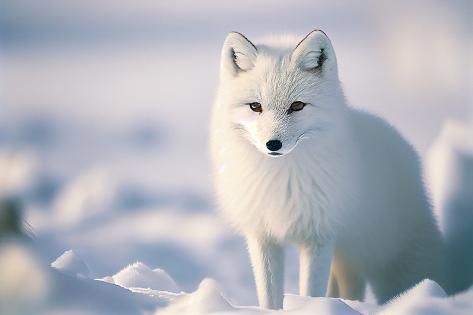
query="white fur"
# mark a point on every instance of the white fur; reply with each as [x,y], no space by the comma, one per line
[347,182]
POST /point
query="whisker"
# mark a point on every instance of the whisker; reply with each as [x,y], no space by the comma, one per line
[305,135]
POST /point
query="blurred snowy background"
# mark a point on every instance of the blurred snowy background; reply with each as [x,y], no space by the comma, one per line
[104,110]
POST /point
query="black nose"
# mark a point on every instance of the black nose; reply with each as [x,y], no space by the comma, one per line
[273,145]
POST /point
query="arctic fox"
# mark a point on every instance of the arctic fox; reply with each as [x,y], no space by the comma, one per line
[294,164]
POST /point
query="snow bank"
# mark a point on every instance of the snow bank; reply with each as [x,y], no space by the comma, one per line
[427,298]
[425,290]
[29,285]
[207,299]
[210,299]
[300,305]
[89,195]
[450,175]
[23,281]
[69,263]
[138,275]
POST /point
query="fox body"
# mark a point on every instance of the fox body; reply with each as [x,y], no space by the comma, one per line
[293,163]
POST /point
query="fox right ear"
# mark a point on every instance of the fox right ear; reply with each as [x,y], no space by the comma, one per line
[238,54]
[315,53]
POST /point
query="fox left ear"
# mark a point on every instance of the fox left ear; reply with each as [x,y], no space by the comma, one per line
[238,54]
[315,53]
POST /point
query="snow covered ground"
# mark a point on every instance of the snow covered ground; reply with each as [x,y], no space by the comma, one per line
[137,289]
[104,108]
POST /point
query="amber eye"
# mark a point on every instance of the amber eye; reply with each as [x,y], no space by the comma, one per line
[256,107]
[296,106]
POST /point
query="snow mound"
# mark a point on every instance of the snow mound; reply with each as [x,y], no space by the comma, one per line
[138,275]
[207,299]
[24,283]
[418,300]
[423,290]
[88,196]
[324,306]
[428,288]
[29,285]
[70,264]
[425,298]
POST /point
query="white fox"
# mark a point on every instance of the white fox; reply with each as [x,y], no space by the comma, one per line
[294,164]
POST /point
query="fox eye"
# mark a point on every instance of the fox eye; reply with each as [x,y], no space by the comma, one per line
[296,106]
[256,107]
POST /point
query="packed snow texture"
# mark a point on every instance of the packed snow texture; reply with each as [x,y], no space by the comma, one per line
[70,264]
[104,114]
[138,275]
[138,289]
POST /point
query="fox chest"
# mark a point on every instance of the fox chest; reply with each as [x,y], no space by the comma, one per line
[281,201]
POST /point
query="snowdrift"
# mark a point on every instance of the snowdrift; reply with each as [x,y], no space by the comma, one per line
[64,288]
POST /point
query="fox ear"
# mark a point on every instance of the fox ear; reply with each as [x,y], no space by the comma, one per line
[315,53]
[238,54]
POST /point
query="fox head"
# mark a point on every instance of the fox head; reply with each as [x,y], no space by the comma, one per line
[278,95]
